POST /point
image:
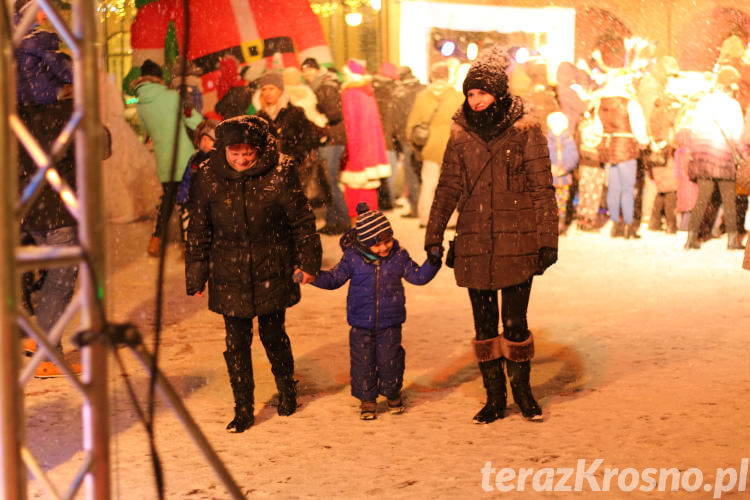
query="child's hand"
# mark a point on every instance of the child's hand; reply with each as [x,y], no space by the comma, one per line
[302,277]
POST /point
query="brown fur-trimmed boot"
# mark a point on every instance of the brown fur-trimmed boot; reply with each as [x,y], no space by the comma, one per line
[518,356]
[491,366]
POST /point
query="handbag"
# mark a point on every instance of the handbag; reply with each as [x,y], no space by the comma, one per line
[420,133]
[743,173]
[741,163]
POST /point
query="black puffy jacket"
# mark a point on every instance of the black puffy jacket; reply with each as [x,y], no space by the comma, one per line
[248,231]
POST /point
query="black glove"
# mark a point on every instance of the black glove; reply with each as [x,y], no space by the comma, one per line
[547,257]
[435,254]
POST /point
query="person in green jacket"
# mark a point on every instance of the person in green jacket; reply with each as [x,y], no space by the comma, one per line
[158,110]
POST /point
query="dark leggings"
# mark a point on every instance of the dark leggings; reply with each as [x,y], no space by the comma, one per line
[166,206]
[486,314]
[272,335]
[728,200]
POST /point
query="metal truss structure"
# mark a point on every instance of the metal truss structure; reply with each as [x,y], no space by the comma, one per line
[96,337]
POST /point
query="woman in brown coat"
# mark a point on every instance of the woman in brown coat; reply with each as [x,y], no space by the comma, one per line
[496,170]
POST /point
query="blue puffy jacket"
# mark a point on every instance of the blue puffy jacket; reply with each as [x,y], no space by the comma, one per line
[376,295]
[42,70]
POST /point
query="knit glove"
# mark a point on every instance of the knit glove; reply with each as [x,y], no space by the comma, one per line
[547,257]
[435,254]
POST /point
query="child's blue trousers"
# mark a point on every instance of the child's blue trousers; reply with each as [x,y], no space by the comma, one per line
[377,362]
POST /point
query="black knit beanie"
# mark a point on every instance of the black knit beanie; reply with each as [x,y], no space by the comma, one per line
[372,226]
[488,73]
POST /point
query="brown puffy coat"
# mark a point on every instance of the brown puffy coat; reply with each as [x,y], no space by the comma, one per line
[511,211]
[618,144]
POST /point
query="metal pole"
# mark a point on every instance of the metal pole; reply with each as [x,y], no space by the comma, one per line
[13,475]
[91,236]
[171,396]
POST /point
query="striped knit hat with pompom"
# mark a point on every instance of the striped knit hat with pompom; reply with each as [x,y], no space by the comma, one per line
[372,226]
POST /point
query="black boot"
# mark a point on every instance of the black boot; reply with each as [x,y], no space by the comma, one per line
[518,374]
[287,395]
[240,368]
[692,242]
[494,382]
[282,367]
[631,232]
[734,243]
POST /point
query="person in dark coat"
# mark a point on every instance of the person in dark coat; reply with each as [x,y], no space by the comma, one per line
[375,306]
[407,88]
[384,84]
[327,89]
[44,74]
[251,227]
[297,135]
[44,80]
[496,170]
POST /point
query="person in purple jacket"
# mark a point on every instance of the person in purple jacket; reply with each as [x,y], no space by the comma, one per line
[375,307]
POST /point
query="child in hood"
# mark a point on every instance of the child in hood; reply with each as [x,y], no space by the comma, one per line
[375,306]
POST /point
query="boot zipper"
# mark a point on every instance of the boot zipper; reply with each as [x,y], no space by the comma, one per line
[377,293]
[507,169]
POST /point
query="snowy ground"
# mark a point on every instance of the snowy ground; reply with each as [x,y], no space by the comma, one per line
[642,361]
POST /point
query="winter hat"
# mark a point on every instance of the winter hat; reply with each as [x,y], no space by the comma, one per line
[310,62]
[274,78]
[243,129]
[206,127]
[150,68]
[488,73]
[405,73]
[389,70]
[356,66]
[371,226]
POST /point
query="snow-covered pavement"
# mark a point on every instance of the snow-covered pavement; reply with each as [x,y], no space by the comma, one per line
[642,361]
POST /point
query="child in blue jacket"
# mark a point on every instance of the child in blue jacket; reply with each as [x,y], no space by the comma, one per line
[375,307]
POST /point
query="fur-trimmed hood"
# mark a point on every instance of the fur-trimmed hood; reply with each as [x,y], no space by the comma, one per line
[252,130]
[146,79]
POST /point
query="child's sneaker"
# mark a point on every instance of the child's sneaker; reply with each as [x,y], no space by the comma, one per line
[396,405]
[368,410]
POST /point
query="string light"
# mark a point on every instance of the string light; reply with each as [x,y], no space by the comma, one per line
[121,8]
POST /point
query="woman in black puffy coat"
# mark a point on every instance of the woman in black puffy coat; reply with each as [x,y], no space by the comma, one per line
[251,227]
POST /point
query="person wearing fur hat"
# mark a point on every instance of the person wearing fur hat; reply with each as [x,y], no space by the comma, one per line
[375,307]
[297,135]
[496,171]
[251,229]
